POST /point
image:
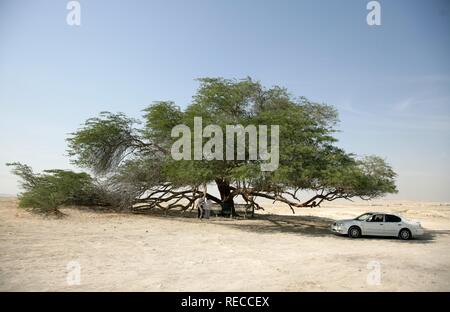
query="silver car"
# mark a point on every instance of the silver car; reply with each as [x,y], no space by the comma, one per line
[378,224]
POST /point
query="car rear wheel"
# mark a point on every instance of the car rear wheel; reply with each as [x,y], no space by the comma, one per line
[354,232]
[405,234]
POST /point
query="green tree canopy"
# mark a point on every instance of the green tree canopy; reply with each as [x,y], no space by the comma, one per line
[47,191]
[136,158]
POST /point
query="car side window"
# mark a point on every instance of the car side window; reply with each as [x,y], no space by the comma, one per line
[392,218]
[377,218]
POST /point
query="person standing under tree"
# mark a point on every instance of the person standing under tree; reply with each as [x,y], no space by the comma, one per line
[200,205]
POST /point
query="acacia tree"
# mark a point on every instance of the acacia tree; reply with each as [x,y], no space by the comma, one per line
[136,162]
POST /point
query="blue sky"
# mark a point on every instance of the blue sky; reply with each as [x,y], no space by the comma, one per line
[390,83]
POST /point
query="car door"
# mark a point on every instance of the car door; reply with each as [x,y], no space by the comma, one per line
[392,225]
[374,225]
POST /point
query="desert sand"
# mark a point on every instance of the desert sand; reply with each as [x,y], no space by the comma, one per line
[276,251]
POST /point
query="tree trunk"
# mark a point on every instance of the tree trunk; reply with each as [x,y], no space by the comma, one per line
[227,201]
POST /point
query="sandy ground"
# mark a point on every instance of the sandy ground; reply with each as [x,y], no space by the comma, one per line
[277,251]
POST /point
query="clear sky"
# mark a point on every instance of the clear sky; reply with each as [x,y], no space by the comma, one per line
[390,83]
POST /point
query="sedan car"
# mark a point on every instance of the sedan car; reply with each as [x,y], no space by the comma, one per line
[378,224]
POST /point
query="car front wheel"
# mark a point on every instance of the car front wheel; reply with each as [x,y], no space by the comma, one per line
[405,234]
[354,232]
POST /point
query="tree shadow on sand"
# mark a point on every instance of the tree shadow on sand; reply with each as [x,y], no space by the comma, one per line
[260,223]
[301,225]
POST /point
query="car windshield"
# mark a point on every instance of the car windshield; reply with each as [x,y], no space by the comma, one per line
[364,217]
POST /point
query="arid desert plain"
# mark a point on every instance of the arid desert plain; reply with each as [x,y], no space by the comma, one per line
[275,251]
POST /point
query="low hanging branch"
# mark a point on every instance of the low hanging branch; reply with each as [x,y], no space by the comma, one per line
[168,198]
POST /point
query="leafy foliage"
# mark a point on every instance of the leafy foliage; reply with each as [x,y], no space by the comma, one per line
[47,191]
[103,141]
